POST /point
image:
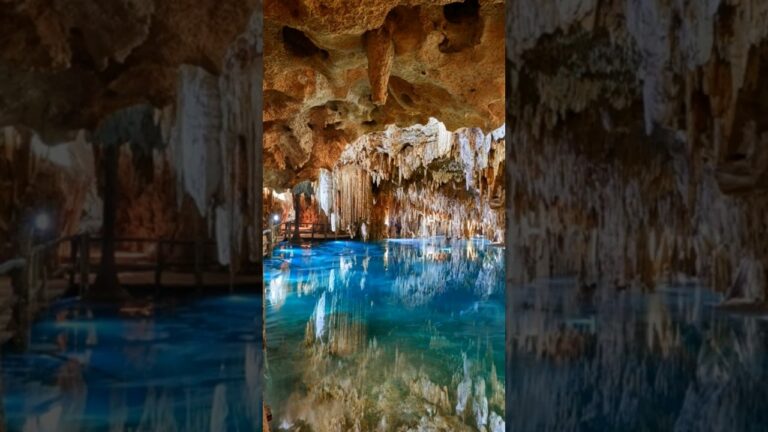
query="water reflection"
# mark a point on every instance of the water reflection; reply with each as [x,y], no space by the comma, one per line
[668,360]
[399,335]
[196,367]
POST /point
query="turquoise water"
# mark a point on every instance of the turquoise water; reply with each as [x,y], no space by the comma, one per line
[194,366]
[612,360]
[385,336]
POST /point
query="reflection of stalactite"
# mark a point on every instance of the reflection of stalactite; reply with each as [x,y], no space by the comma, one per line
[347,333]
[350,381]
[424,271]
[661,332]
[624,372]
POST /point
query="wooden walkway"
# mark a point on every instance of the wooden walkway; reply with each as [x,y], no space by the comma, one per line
[307,231]
[45,272]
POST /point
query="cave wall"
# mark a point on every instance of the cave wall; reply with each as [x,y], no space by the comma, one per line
[67,67]
[37,179]
[637,140]
[62,182]
[66,64]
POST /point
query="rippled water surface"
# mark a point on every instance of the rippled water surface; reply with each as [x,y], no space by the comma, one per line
[602,360]
[396,335]
[195,366]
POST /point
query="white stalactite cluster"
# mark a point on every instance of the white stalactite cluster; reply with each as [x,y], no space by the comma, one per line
[432,181]
[195,140]
[215,136]
[325,191]
[353,186]
[639,142]
[571,216]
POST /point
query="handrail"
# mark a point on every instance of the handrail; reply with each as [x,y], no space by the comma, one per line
[34,266]
[150,240]
[12,264]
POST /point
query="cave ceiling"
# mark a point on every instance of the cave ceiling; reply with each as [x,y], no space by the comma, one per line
[66,64]
[335,71]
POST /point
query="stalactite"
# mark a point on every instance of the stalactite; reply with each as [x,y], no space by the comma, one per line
[442,182]
[325,191]
[240,136]
[215,136]
[354,197]
[195,137]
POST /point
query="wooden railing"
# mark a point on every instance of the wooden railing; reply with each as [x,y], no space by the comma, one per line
[313,230]
[287,230]
[68,259]
[52,259]
[163,258]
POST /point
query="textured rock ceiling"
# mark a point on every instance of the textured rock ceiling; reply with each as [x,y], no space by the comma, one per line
[335,70]
[65,64]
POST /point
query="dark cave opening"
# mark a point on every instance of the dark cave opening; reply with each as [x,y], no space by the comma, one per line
[298,44]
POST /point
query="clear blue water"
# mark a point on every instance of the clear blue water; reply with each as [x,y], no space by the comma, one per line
[631,361]
[385,336]
[195,366]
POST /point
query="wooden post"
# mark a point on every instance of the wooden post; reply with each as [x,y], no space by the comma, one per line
[29,267]
[107,282]
[21,279]
[199,261]
[73,246]
[41,255]
[159,261]
[312,234]
[85,263]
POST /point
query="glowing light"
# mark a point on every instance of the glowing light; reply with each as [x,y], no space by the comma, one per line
[276,218]
[42,222]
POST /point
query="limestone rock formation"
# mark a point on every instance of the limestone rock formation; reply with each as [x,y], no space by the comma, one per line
[637,141]
[67,66]
[335,71]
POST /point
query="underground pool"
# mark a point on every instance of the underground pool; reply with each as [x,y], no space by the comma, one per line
[192,366]
[601,359]
[390,335]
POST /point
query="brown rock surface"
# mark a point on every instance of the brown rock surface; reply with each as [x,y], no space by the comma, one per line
[337,70]
[66,64]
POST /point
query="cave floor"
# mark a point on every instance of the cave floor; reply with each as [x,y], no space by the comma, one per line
[390,335]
